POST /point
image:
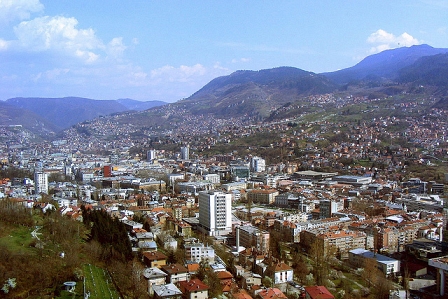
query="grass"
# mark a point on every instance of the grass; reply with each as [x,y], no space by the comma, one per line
[18,239]
[99,283]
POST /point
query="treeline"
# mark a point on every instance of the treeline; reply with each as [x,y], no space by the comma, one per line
[110,233]
[13,213]
[14,172]
[38,251]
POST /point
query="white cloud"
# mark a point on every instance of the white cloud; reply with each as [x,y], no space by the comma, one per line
[116,47]
[11,10]
[382,40]
[44,60]
[58,34]
[240,60]
[181,74]
[4,44]
[442,30]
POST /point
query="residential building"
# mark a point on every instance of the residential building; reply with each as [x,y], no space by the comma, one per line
[194,289]
[317,292]
[271,293]
[264,196]
[335,242]
[197,252]
[215,212]
[251,236]
[279,272]
[154,259]
[41,182]
[167,291]
[154,276]
[176,273]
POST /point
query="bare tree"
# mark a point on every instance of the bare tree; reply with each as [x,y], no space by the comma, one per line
[370,271]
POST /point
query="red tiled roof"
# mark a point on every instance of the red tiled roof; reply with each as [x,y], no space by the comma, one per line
[193,267]
[272,293]
[224,275]
[154,255]
[174,269]
[318,292]
[193,285]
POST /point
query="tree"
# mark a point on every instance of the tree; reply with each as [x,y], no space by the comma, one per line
[301,270]
[370,271]
[212,280]
[382,287]
[267,281]
[406,279]
[321,260]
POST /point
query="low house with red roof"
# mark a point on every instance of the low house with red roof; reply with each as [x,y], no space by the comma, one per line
[280,272]
[176,273]
[241,294]
[154,259]
[226,280]
[194,289]
[317,292]
[271,293]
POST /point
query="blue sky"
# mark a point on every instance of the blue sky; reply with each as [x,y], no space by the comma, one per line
[167,50]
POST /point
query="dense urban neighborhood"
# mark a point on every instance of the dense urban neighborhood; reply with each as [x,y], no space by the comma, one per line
[287,208]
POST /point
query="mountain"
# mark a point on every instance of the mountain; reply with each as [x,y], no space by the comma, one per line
[254,93]
[13,116]
[65,112]
[428,70]
[139,105]
[385,65]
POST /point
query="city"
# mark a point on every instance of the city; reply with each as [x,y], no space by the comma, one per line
[306,222]
[223,149]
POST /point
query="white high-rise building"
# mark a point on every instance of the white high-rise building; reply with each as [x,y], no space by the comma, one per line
[151,155]
[185,152]
[41,182]
[215,215]
[258,164]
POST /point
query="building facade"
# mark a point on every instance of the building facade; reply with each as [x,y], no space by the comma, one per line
[250,236]
[41,182]
[215,212]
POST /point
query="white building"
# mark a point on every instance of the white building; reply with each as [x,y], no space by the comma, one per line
[213,178]
[258,164]
[215,216]
[151,155]
[197,252]
[387,265]
[185,152]
[441,264]
[41,182]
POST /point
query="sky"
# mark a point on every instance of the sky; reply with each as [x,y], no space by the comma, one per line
[167,50]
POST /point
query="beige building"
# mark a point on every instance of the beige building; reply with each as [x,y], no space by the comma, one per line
[336,242]
[262,195]
[250,236]
[194,289]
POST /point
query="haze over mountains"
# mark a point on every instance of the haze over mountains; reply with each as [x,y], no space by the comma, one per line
[65,112]
[251,93]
